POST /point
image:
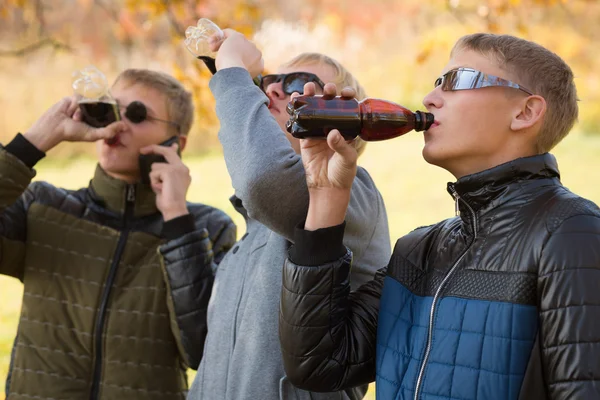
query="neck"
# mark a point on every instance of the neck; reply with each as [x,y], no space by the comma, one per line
[128,178]
[465,167]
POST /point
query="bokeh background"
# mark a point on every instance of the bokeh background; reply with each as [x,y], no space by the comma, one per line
[396,49]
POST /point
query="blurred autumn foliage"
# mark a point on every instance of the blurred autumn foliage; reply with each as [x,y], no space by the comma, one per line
[396,48]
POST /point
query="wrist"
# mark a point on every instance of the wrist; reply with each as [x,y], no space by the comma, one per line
[174,212]
[232,62]
[43,142]
[326,208]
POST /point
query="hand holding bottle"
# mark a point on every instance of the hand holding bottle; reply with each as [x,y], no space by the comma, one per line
[63,122]
[235,50]
[330,167]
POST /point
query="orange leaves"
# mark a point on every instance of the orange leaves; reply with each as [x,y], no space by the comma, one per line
[8,6]
[152,7]
[424,54]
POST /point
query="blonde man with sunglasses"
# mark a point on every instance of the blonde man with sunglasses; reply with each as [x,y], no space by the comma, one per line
[498,303]
[102,265]
[242,358]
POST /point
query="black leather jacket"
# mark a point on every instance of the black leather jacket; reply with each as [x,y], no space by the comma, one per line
[499,303]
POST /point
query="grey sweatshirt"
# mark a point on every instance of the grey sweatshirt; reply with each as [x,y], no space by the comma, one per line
[242,358]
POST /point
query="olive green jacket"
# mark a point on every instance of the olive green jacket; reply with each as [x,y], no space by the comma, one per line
[100,273]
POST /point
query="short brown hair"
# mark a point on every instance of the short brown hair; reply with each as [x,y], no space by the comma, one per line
[180,105]
[539,70]
[343,78]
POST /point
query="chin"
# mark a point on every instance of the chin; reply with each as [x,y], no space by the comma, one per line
[118,168]
[433,157]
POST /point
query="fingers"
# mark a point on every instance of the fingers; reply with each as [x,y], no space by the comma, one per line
[173,175]
[348,93]
[310,89]
[346,150]
[156,180]
[169,153]
[109,131]
[72,106]
[78,116]
[215,42]
[228,32]
[329,91]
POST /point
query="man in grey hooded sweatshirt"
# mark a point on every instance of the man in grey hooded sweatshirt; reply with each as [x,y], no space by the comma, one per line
[242,358]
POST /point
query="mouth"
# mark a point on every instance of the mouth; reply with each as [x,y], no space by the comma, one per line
[435,123]
[113,142]
[271,105]
[273,108]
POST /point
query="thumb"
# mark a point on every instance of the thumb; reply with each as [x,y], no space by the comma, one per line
[215,41]
[111,130]
[346,151]
[228,32]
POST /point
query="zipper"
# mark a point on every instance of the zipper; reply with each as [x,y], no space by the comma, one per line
[456,197]
[101,318]
[438,292]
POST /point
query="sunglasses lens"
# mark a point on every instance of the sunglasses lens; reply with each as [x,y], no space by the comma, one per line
[462,79]
[267,80]
[99,114]
[136,112]
[295,82]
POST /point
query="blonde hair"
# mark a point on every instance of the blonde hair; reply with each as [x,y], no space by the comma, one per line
[180,106]
[343,78]
[539,70]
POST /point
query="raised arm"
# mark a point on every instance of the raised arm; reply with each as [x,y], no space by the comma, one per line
[327,333]
[17,159]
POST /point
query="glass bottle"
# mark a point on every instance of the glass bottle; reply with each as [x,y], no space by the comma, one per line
[371,119]
[98,107]
[196,41]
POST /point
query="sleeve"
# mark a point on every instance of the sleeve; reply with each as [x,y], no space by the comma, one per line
[16,195]
[269,178]
[327,333]
[266,173]
[569,301]
[189,264]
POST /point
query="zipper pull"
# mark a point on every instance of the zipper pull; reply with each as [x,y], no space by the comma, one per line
[456,198]
[131,193]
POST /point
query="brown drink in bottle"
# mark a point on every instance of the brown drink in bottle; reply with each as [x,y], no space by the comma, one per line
[371,119]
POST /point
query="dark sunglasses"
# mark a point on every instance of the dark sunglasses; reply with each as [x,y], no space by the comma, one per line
[467,78]
[293,82]
[101,114]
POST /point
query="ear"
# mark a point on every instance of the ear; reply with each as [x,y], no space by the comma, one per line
[182,142]
[530,113]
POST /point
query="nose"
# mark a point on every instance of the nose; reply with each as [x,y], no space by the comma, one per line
[433,99]
[275,90]
[122,112]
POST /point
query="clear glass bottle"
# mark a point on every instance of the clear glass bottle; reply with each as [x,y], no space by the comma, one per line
[196,41]
[97,106]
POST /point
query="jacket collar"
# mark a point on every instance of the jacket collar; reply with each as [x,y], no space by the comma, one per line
[486,189]
[113,194]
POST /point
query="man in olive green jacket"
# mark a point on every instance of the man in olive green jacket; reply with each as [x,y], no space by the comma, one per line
[102,265]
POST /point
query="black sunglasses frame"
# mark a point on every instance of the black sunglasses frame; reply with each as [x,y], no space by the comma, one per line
[288,79]
[101,114]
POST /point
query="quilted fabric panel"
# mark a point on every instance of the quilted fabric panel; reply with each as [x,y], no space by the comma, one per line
[480,349]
